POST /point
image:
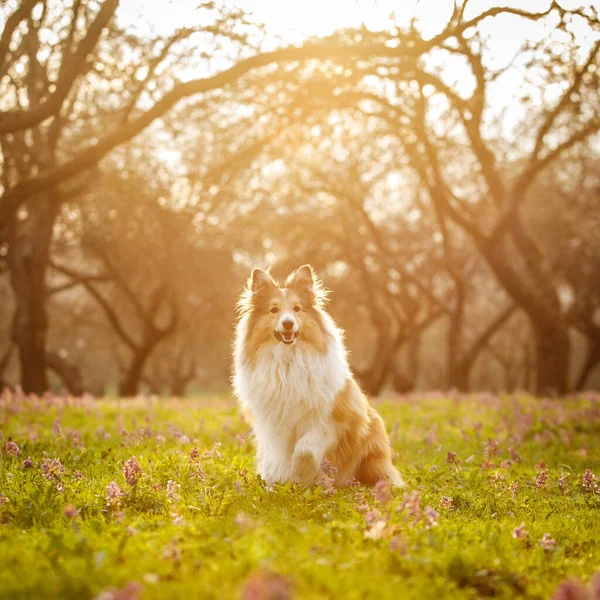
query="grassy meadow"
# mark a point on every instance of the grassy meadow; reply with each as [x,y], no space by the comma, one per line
[158,498]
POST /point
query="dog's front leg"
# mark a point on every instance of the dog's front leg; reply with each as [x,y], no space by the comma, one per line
[309,451]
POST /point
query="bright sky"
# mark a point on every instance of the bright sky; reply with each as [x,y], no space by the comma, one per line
[295,20]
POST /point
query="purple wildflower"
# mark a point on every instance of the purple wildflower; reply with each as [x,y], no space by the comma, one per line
[328,468]
[411,503]
[56,428]
[173,491]
[520,532]
[77,475]
[431,517]
[514,455]
[376,525]
[542,480]
[244,521]
[352,482]
[12,449]
[132,471]
[327,480]
[113,495]
[570,590]
[52,469]
[589,482]
[70,511]
[266,584]
[382,491]
[27,463]
[131,591]
[547,543]
[446,503]
[562,483]
[398,545]
[451,458]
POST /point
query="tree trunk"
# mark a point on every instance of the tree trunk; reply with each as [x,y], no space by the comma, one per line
[28,258]
[130,384]
[70,374]
[592,360]
[552,351]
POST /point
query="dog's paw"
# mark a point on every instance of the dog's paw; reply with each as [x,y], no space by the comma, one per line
[305,468]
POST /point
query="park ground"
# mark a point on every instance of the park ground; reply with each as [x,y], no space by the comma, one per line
[158,498]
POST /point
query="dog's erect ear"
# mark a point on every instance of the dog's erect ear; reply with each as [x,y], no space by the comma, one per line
[302,277]
[307,285]
[259,280]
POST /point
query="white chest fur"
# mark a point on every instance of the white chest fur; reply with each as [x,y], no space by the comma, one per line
[288,390]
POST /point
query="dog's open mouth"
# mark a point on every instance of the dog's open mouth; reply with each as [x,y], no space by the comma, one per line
[287,337]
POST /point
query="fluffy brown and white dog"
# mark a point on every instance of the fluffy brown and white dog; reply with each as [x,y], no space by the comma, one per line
[295,387]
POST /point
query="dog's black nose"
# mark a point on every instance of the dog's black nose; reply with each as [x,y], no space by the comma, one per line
[288,324]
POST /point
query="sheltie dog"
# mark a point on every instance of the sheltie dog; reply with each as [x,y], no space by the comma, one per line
[293,382]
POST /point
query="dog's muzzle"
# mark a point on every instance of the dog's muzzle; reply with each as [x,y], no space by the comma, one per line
[286,337]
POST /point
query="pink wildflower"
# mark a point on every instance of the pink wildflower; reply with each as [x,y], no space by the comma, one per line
[352,482]
[547,543]
[451,458]
[431,516]
[328,471]
[131,591]
[56,428]
[77,475]
[376,531]
[172,491]
[27,463]
[542,480]
[376,525]
[113,495]
[570,590]
[446,503]
[562,483]
[132,471]
[194,455]
[372,516]
[520,532]
[382,491]
[491,449]
[12,449]
[267,585]
[513,490]
[244,521]
[411,503]
[52,469]
[589,482]
[398,545]
[514,455]
[328,468]
[70,511]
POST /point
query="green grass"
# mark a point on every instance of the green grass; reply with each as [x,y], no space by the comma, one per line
[223,534]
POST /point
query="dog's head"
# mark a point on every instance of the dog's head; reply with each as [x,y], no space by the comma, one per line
[284,315]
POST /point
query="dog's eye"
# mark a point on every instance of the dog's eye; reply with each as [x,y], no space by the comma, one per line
[274,310]
[297,309]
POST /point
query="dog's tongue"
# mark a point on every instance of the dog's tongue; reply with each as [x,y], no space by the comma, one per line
[288,337]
